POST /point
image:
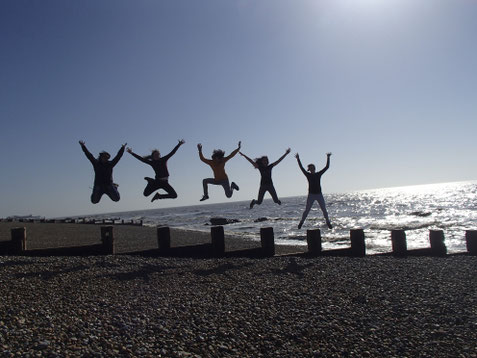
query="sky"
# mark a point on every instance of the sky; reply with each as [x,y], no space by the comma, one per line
[388,86]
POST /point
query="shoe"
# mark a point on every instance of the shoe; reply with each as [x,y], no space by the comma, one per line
[329,224]
[252,203]
[155,197]
[148,179]
[300,224]
[234,186]
[279,202]
[205,197]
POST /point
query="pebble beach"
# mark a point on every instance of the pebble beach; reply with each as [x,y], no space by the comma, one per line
[128,305]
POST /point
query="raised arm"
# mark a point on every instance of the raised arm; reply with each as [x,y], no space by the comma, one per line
[119,155]
[328,155]
[201,156]
[173,151]
[281,158]
[129,150]
[86,152]
[250,160]
[297,156]
[231,155]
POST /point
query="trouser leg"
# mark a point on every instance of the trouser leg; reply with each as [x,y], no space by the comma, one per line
[309,204]
[226,185]
[273,194]
[171,193]
[113,193]
[321,201]
[261,194]
[96,194]
[151,187]
[205,184]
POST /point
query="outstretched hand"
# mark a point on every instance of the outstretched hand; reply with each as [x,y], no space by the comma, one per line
[124,145]
[288,151]
[199,147]
[81,142]
[129,150]
[328,154]
[239,144]
[181,141]
[297,156]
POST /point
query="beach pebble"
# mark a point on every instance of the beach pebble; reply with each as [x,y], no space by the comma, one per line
[280,306]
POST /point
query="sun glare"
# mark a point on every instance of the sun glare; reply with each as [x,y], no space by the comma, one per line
[370,6]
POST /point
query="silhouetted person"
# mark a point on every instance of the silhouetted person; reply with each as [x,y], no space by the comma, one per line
[266,183]
[161,181]
[314,189]
[217,163]
[103,173]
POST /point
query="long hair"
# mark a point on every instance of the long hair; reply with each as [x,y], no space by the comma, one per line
[261,161]
[218,154]
[149,157]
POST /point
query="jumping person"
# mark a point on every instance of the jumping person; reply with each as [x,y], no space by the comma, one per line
[314,189]
[266,183]
[217,163]
[159,164]
[103,173]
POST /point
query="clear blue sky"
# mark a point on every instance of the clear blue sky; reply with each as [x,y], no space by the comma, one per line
[388,86]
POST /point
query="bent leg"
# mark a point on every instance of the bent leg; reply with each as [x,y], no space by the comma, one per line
[226,185]
[151,187]
[113,193]
[205,184]
[96,194]
[171,193]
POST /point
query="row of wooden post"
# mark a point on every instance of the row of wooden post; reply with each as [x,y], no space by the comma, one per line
[77,221]
[18,244]
[357,238]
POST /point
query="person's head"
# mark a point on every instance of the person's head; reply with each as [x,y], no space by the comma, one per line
[155,154]
[262,161]
[104,157]
[218,154]
[311,168]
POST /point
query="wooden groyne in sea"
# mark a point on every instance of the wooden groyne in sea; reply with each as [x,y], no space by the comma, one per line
[18,245]
[75,221]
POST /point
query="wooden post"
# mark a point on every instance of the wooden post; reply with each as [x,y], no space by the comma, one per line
[268,241]
[471,241]
[218,240]
[164,238]
[438,247]
[107,239]
[358,247]
[18,244]
[399,243]
[313,238]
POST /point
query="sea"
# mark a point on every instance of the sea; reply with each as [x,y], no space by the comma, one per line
[451,207]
